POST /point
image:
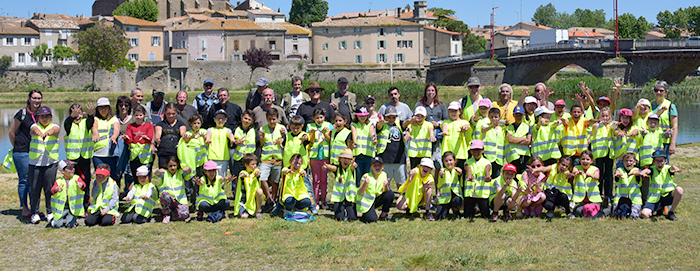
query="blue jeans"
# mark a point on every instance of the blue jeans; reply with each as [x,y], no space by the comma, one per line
[21,160]
[111,162]
[364,165]
[123,162]
[291,203]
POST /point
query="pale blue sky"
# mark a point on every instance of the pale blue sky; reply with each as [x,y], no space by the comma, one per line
[473,13]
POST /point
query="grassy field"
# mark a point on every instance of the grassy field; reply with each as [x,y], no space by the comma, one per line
[409,243]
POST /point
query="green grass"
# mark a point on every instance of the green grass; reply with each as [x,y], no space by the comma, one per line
[414,244]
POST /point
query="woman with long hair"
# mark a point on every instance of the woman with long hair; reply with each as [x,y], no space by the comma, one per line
[19,138]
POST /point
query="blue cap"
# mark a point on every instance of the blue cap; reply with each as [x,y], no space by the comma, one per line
[208,81]
[659,153]
[518,109]
[220,111]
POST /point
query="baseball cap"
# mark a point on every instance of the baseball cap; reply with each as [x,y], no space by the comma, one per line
[208,81]
[485,102]
[644,101]
[543,110]
[262,82]
[377,160]
[625,112]
[390,111]
[102,101]
[529,99]
[560,102]
[210,165]
[361,111]
[518,109]
[44,110]
[220,111]
[659,153]
[346,153]
[142,171]
[369,97]
[342,80]
[102,171]
[425,161]
[653,116]
[157,92]
[64,163]
[473,81]
[602,99]
[421,111]
[454,106]
[510,167]
[477,144]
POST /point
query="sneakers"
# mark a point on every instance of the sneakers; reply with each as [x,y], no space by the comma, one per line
[671,216]
[258,215]
[166,219]
[324,205]
[200,216]
[49,217]
[507,217]
[550,214]
[572,216]
[387,218]
[314,209]
[494,217]
[35,219]
[429,216]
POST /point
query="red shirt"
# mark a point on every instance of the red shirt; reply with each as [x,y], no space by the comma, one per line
[134,132]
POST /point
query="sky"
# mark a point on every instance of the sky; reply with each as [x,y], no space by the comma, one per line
[473,13]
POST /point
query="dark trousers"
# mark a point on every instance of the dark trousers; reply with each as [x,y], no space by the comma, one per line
[364,164]
[521,163]
[41,178]
[133,218]
[495,170]
[134,165]
[235,167]
[443,209]
[556,198]
[208,208]
[82,168]
[470,203]
[345,210]
[605,165]
[97,219]
[384,200]
[291,203]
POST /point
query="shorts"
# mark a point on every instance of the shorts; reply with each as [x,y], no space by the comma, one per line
[504,206]
[663,201]
[397,172]
[270,172]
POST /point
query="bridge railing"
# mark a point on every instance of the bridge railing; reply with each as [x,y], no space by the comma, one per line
[470,56]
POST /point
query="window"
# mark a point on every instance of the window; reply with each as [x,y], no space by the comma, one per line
[183,34]
[381,44]
[204,44]
[357,29]
[381,58]
[134,57]
[252,44]
[295,37]
[399,31]
[63,42]
[204,56]
[325,30]
[27,41]
[404,44]
[48,32]
[183,44]
[456,49]
[151,56]
[9,41]
[427,50]
[49,43]
[455,37]
[324,59]
[342,30]
[236,45]
[237,57]
[381,31]
[155,40]
[325,46]
[342,45]
[132,29]
[295,48]
[133,42]
[358,59]
[357,44]
[399,58]
[273,45]
[21,58]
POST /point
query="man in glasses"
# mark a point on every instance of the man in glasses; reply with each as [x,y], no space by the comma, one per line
[155,108]
[203,101]
[293,99]
[306,109]
[470,102]
[404,112]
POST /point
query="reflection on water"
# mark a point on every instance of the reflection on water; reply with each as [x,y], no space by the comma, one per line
[688,121]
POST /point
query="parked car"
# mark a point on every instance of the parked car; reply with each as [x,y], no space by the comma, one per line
[693,41]
[570,43]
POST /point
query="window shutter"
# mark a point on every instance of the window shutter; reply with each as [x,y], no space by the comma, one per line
[340,45]
[378,45]
[4,42]
[32,41]
[14,41]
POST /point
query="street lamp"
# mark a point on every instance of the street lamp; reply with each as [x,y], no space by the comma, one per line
[493,30]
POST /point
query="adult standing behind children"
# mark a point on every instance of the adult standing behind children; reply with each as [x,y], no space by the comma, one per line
[470,103]
[19,138]
[255,96]
[185,110]
[506,103]
[233,111]
[205,100]
[293,99]
[261,110]
[403,110]
[343,101]
[155,108]
[668,115]
[306,110]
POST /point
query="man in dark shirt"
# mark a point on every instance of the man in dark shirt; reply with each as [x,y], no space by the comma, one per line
[306,109]
[186,110]
[255,95]
[233,111]
[343,102]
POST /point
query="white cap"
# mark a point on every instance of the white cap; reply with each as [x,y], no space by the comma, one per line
[454,106]
[425,161]
[142,171]
[542,110]
[64,163]
[644,101]
[421,111]
[102,101]
[529,99]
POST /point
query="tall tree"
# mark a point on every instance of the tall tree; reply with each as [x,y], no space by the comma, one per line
[306,12]
[589,18]
[673,23]
[631,27]
[142,9]
[103,47]
[546,15]
[257,58]
[472,43]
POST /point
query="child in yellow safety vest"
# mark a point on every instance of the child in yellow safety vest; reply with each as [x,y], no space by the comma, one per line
[105,133]
[493,136]
[298,142]
[456,135]
[43,157]
[641,113]
[518,139]
[663,191]
[78,142]
[218,139]
[67,198]
[508,192]
[173,198]
[212,198]
[295,195]
[480,117]
[364,138]
[104,199]
[628,195]
[139,135]
[418,189]
[558,187]
[344,193]
[192,153]
[625,136]
[560,110]
[374,191]
[271,140]
[449,187]
[546,135]
[319,154]
[601,142]
[249,195]
[245,142]
[586,185]
[141,198]
[477,181]
[652,140]
[575,138]
[420,136]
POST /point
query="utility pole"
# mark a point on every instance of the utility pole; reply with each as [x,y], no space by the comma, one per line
[493,30]
[617,31]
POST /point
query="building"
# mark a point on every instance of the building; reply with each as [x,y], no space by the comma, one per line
[230,14]
[378,40]
[200,40]
[297,40]
[259,12]
[241,35]
[166,8]
[441,43]
[607,33]
[145,38]
[511,39]
[586,36]
[56,30]
[19,42]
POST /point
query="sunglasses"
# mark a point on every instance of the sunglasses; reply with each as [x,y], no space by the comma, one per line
[315,90]
[473,87]
[159,94]
[658,90]
[536,165]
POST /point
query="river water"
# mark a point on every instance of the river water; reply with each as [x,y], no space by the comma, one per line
[688,120]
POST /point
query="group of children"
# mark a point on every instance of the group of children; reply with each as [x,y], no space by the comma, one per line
[543,160]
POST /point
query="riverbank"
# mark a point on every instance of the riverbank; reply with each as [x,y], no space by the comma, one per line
[410,243]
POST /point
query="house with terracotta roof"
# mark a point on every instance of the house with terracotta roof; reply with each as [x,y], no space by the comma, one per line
[586,36]
[201,40]
[259,12]
[368,40]
[230,14]
[55,29]
[297,40]
[512,39]
[441,43]
[607,33]
[18,42]
[145,38]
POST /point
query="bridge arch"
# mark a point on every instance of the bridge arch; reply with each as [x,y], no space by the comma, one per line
[456,79]
[546,69]
[676,72]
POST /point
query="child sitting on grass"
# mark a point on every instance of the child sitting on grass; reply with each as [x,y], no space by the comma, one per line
[374,191]
[173,198]
[628,196]
[67,198]
[295,195]
[663,191]
[211,198]
[249,186]
[344,193]
[418,189]
[104,198]
[140,198]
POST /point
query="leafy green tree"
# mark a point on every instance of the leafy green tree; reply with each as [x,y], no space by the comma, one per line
[472,43]
[673,23]
[103,47]
[257,58]
[61,52]
[142,9]
[547,15]
[4,64]
[631,27]
[306,12]
[589,18]
[40,52]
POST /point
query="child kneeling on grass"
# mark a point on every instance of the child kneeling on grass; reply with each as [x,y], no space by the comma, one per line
[104,198]
[418,188]
[374,192]
[344,193]
[628,195]
[249,186]
[140,198]
[67,198]
[173,198]
[211,198]
[508,192]
[295,195]
[662,189]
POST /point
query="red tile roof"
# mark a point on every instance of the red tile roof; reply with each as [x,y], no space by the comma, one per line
[126,20]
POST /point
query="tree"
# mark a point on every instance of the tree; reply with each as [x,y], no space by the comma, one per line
[546,15]
[472,43]
[61,52]
[257,58]
[306,12]
[40,52]
[631,27]
[4,64]
[103,47]
[678,21]
[589,18]
[142,9]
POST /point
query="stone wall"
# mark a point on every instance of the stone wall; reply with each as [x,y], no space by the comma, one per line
[364,73]
[489,75]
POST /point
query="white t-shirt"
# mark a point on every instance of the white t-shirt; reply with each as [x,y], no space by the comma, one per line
[296,102]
